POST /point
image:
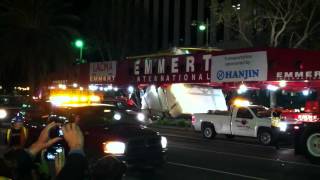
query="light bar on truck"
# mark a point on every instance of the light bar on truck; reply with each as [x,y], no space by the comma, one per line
[64,100]
[241,102]
[73,97]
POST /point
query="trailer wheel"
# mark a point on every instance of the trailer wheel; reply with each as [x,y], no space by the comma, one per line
[208,131]
[265,137]
[311,144]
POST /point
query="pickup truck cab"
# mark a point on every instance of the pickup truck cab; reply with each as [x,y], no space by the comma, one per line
[251,121]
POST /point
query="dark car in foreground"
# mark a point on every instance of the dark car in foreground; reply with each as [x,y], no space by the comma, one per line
[108,131]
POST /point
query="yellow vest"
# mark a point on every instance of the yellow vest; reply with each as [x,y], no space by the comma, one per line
[4,178]
[24,133]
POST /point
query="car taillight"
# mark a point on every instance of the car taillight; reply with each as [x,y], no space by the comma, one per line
[193,119]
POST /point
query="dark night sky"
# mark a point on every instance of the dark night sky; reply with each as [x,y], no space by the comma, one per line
[79,6]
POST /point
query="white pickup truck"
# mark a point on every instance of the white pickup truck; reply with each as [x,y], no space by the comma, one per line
[250,121]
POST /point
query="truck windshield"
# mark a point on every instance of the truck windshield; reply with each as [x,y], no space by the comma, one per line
[261,112]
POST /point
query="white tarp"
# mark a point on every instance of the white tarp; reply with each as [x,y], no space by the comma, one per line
[180,99]
[251,66]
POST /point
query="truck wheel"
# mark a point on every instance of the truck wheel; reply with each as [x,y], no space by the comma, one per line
[311,145]
[208,131]
[265,137]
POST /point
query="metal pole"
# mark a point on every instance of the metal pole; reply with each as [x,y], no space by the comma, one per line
[80,55]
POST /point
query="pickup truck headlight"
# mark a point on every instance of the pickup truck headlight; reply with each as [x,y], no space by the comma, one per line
[164,142]
[114,147]
[3,113]
[282,126]
[140,117]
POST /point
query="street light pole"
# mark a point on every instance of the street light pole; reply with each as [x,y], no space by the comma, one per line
[80,56]
[79,44]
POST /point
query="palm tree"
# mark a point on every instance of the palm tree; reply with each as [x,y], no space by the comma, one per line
[35,38]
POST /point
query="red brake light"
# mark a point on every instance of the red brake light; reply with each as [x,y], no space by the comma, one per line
[130,102]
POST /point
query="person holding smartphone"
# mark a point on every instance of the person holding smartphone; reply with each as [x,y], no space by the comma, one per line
[75,166]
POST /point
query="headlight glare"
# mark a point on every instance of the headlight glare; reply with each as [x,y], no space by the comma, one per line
[117,116]
[140,117]
[282,126]
[114,147]
[164,142]
[3,114]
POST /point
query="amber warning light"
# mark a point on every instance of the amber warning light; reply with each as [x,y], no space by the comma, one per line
[73,98]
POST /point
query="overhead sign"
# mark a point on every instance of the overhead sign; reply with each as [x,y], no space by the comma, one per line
[298,75]
[64,81]
[103,72]
[177,69]
[251,66]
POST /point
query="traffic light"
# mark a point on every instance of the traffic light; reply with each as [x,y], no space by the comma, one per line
[202,27]
[79,43]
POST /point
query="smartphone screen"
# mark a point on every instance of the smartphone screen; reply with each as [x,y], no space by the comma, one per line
[56,132]
[60,132]
[52,152]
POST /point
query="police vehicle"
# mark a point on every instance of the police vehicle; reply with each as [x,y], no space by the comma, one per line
[107,129]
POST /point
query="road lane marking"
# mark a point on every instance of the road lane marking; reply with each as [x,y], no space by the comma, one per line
[215,171]
[222,140]
[246,156]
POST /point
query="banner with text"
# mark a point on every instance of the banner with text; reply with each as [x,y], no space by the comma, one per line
[251,66]
[103,72]
[173,69]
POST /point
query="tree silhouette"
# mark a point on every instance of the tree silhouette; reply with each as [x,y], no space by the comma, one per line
[285,23]
[35,38]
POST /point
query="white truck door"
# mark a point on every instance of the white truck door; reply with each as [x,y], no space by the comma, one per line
[242,122]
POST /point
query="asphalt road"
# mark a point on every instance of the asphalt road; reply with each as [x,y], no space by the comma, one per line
[192,157]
